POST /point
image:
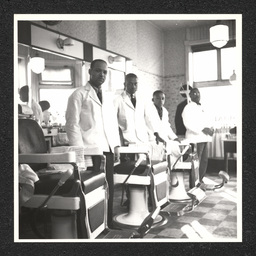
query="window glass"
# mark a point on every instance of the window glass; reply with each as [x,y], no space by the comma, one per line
[58,100]
[205,66]
[55,75]
[228,60]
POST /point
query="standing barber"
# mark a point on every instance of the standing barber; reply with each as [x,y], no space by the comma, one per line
[133,119]
[198,131]
[91,122]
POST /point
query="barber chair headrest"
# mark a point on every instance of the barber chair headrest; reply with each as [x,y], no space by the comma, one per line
[31,140]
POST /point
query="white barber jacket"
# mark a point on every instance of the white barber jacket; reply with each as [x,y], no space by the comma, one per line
[195,120]
[163,127]
[132,121]
[90,123]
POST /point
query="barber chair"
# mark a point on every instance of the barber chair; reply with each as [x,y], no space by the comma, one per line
[182,200]
[187,161]
[144,178]
[75,198]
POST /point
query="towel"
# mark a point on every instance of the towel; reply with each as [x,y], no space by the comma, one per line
[27,178]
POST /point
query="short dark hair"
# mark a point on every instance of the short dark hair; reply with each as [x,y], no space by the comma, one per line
[24,89]
[157,92]
[130,75]
[45,105]
[24,93]
[97,60]
[193,89]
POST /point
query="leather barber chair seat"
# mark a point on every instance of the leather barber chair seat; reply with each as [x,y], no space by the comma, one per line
[76,198]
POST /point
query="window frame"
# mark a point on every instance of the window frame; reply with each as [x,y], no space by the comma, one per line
[57,84]
[192,47]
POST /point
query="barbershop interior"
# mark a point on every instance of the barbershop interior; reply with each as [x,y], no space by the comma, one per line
[153,194]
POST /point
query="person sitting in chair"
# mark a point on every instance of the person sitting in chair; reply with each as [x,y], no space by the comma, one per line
[45,105]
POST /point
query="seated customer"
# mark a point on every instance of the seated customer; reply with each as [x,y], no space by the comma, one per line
[45,105]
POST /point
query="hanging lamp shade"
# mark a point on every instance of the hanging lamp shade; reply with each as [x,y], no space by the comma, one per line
[37,64]
[219,35]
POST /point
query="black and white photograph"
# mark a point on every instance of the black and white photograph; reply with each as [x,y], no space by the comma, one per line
[127,128]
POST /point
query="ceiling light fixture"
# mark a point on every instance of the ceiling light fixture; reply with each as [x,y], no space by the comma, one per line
[37,64]
[219,35]
[112,59]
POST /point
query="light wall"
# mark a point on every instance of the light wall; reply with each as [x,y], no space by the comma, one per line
[174,70]
[158,56]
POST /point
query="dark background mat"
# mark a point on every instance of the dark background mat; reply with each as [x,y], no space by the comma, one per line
[7,11]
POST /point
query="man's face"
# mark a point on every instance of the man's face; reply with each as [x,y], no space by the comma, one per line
[159,99]
[195,95]
[131,85]
[98,73]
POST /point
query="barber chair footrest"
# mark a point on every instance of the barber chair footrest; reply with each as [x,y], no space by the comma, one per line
[120,234]
[175,209]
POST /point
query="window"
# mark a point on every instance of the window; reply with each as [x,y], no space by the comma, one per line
[58,100]
[57,76]
[212,66]
[205,66]
[56,84]
[228,60]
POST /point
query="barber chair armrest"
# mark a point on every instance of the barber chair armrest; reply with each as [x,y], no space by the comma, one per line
[133,149]
[69,157]
[78,149]
[185,149]
[140,150]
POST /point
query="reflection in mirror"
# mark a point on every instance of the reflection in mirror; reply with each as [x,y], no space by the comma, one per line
[61,76]
[55,84]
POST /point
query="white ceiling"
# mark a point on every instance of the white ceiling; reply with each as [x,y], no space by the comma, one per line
[180,24]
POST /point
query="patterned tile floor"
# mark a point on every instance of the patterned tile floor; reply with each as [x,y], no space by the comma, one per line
[215,218]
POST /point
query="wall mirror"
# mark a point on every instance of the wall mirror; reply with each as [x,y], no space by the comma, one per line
[61,76]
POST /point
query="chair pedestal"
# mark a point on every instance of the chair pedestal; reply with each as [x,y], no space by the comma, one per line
[178,192]
[64,225]
[138,209]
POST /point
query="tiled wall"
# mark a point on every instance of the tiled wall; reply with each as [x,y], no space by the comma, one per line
[171,88]
[174,70]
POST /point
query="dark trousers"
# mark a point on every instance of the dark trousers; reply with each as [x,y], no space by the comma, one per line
[110,180]
[202,152]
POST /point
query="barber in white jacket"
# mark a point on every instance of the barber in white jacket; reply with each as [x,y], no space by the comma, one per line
[198,131]
[132,118]
[161,125]
[91,122]
[131,113]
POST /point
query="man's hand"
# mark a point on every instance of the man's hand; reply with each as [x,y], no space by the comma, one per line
[208,131]
[159,139]
[116,154]
[177,139]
